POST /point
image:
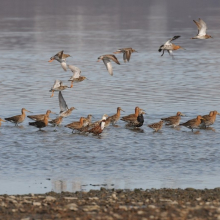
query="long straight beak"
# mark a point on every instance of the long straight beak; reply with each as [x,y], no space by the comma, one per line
[28,111]
[122,110]
[53,113]
[51,60]
[182,48]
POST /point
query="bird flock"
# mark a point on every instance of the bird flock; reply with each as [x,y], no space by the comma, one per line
[135,120]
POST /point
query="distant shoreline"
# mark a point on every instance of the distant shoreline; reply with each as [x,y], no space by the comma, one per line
[134,204]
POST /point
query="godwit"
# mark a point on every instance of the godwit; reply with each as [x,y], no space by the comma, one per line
[86,124]
[114,118]
[132,117]
[58,86]
[193,123]
[76,75]
[61,58]
[173,120]
[41,116]
[106,60]
[169,47]
[156,126]
[18,118]
[99,128]
[126,53]
[76,125]
[1,120]
[209,119]
[64,110]
[202,27]
[138,122]
[40,124]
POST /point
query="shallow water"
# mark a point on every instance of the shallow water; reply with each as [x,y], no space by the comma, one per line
[36,162]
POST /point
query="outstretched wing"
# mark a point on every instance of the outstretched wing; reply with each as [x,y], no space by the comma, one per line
[108,65]
[170,40]
[75,70]
[128,54]
[62,103]
[202,27]
[59,54]
[113,57]
[56,84]
[64,65]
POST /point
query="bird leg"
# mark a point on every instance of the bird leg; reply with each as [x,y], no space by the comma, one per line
[52,93]
[71,84]
[162,53]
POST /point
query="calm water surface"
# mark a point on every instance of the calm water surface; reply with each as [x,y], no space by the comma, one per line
[36,162]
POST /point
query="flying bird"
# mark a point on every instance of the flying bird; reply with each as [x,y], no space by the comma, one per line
[76,75]
[202,27]
[57,86]
[126,53]
[107,61]
[64,110]
[61,58]
[169,47]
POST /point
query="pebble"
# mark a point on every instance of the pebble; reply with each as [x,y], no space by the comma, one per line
[49,199]
[72,206]
[70,198]
[36,203]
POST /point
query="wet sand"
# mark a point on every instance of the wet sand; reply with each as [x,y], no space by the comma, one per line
[114,204]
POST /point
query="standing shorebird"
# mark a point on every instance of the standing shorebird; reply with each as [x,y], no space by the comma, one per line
[76,125]
[40,124]
[1,120]
[138,122]
[132,117]
[100,127]
[56,122]
[209,119]
[193,123]
[173,120]
[126,53]
[156,126]
[76,75]
[41,116]
[169,47]
[107,61]
[86,123]
[18,118]
[114,118]
[202,27]
[64,110]
[61,58]
[57,86]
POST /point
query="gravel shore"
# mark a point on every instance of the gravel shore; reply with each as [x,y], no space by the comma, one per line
[106,204]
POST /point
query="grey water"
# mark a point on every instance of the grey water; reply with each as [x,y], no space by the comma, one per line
[37,162]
